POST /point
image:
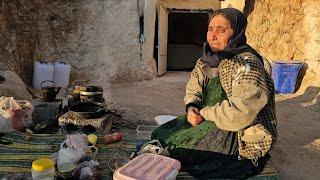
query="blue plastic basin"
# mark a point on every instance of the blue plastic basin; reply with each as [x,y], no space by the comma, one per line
[284,74]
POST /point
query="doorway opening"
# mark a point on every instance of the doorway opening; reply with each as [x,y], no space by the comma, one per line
[186,36]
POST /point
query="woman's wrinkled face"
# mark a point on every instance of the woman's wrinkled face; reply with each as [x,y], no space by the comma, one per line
[219,33]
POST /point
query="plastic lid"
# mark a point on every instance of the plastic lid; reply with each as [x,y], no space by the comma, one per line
[42,62]
[148,166]
[42,164]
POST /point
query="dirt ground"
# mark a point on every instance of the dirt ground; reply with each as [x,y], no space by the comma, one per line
[297,152]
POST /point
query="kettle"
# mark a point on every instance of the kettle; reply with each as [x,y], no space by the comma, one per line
[48,93]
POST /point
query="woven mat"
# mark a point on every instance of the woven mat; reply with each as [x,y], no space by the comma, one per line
[18,156]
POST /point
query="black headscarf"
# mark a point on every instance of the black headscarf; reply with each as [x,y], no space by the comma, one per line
[238,42]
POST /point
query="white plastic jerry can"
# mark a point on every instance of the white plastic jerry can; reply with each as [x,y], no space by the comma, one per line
[43,71]
[61,74]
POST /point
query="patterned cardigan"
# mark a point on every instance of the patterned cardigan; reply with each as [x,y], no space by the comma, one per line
[250,92]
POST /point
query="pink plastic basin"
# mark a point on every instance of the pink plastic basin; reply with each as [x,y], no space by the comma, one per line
[148,166]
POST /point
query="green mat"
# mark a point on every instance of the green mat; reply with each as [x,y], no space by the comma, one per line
[18,156]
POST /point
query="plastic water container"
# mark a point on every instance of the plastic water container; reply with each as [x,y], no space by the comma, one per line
[43,169]
[149,166]
[284,74]
[61,74]
[43,71]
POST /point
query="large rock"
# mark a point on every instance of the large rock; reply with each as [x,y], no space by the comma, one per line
[280,29]
[13,86]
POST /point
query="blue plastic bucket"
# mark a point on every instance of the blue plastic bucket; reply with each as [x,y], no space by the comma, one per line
[284,74]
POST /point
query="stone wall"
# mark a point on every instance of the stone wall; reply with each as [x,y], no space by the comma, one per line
[99,38]
[280,29]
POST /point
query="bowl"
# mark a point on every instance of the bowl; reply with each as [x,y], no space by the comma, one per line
[162,119]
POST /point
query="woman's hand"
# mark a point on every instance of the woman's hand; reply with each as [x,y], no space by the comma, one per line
[194,117]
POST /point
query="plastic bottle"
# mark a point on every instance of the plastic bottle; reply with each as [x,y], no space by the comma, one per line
[61,74]
[110,138]
[43,169]
[43,71]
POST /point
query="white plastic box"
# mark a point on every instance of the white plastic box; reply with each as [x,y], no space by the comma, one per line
[145,131]
[149,167]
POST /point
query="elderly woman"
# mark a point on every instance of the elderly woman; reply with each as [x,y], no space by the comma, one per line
[230,124]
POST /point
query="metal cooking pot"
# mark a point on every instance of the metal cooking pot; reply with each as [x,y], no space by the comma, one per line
[74,92]
[87,110]
[48,93]
[91,93]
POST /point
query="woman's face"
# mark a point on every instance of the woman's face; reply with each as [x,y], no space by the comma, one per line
[219,33]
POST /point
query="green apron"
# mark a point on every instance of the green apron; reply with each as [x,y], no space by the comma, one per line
[179,134]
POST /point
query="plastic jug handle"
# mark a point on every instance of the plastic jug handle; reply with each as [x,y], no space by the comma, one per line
[58,89]
[46,81]
[63,144]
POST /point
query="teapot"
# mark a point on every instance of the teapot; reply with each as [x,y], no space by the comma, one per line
[48,93]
